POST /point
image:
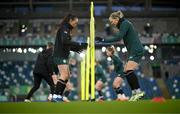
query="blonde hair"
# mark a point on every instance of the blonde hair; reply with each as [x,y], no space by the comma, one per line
[117,14]
[111,49]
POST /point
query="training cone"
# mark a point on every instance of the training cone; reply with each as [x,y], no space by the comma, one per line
[158,99]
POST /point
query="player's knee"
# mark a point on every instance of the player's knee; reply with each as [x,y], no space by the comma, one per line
[127,69]
[117,82]
[131,65]
[128,72]
[69,86]
[65,76]
[99,85]
[64,73]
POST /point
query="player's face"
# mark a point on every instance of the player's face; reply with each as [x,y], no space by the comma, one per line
[74,22]
[108,53]
[113,21]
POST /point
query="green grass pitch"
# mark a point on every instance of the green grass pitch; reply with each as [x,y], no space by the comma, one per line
[108,107]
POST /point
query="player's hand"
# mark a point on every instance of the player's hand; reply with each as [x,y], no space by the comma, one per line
[84,45]
[77,49]
[99,39]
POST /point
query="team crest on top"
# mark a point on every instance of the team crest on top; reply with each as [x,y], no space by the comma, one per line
[64,61]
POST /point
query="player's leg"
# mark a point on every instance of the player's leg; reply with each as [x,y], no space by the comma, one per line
[130,66]
[61,83]
[68,89]
[37,82]
[99,86]
[51,84]
[55,78]
[118,89]
[131,76]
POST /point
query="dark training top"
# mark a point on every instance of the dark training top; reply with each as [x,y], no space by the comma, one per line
[129,36]
[118,65]
[63,43]
[44,63]
[99,73]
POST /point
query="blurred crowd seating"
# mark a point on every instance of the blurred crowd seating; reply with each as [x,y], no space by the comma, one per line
[173,84]
[155,38]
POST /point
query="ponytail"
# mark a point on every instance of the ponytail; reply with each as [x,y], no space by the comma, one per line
[67,18]
[117,14]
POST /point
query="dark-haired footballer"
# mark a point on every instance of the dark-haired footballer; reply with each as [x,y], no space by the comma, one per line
[42,70]
[62,48]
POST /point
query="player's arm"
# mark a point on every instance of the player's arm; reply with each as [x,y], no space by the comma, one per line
[74,46]
[49,64]
[65,35]
[101,71]
[119,35]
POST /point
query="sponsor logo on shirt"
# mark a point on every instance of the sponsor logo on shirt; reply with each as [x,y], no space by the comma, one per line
[130,57]
[64,61]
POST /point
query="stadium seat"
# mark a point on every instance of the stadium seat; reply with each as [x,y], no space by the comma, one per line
[3,98]
[173,84]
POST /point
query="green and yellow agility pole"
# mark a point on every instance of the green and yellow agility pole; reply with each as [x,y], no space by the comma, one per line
[87,57]
[92,51]
[83,79]
[88,63]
